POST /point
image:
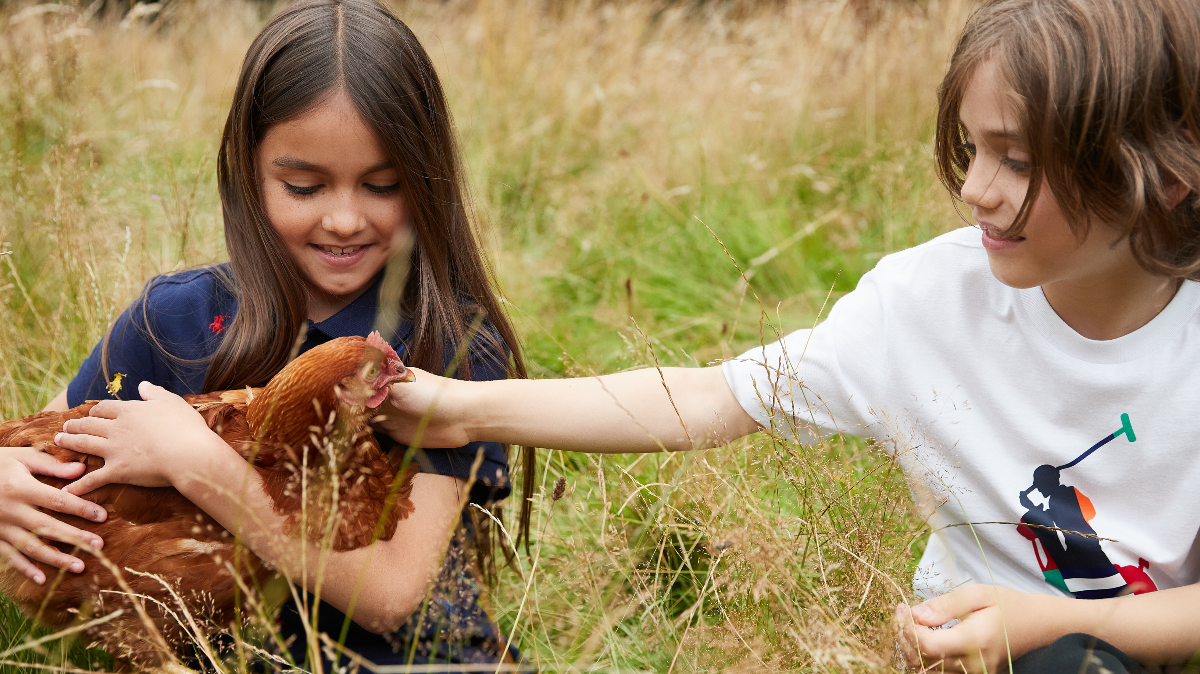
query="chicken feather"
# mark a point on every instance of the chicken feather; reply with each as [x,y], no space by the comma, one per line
[308,425]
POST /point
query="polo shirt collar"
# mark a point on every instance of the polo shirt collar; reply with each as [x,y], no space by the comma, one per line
[355,319]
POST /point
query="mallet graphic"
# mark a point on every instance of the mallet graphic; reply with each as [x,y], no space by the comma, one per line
[1126,430]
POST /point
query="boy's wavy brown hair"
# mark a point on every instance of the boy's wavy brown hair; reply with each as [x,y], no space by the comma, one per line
[1107,99]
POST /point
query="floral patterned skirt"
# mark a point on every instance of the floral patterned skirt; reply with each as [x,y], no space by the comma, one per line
[450,627]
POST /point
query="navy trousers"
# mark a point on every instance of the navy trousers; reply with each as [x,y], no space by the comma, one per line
[1077,653]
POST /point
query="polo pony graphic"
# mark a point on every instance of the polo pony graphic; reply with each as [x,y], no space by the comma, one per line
[1057,521]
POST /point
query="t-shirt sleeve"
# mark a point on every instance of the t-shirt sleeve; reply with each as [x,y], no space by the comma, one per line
[822,380]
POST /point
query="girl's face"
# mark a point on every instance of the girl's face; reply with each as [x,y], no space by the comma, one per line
[333,196]
[1047,251]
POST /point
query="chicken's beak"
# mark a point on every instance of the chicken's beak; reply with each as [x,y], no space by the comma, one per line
[403,374]
[394,372]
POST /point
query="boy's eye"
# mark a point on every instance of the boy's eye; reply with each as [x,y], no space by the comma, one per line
[382,189]
[303,191]
[1016,165]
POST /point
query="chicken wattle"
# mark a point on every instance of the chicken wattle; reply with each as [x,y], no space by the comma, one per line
[306,433]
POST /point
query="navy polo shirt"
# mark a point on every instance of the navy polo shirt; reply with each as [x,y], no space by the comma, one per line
[169,334]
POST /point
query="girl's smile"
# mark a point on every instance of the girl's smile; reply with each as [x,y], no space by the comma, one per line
[332,194]
[342,256]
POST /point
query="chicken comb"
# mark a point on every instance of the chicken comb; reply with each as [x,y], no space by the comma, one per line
[376,340]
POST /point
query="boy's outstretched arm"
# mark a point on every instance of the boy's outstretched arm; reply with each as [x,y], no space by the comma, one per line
[638,411]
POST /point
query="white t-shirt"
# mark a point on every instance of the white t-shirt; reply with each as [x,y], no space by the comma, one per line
[975,385]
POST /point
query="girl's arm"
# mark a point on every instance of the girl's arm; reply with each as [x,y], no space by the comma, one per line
[58,404]
[161,441]
[647,410]
[386,581]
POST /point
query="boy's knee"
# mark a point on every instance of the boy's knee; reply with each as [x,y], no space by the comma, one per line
[1081,653]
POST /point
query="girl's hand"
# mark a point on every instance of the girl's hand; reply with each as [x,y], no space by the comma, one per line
[982,642]
[424,412]
[143,442]
[22,499]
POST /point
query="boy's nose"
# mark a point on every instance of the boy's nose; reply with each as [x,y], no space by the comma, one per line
[978,189]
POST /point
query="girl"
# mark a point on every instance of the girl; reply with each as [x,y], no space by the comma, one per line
[996,362]
[337,152]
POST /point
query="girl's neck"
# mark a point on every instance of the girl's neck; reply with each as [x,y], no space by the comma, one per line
[1111,306]
[322,305]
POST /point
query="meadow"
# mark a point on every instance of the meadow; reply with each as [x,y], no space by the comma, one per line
[657,182]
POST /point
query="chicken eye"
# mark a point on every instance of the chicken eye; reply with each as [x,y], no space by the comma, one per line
[372,372]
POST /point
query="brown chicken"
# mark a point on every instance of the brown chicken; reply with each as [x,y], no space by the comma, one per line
[307,434]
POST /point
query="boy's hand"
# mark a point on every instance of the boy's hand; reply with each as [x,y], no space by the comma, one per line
[997,623]
[424,412]
[143,442]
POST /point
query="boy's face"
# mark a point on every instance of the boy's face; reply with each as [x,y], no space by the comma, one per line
[1047,252]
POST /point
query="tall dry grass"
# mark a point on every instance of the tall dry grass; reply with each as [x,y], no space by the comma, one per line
[604,139]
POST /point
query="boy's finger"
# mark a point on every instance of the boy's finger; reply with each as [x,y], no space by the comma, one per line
[905,638]
[958,647]
[958,604]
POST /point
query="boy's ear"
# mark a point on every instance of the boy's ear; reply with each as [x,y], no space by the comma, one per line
[1176,190]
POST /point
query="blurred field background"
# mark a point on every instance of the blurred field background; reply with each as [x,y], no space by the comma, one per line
[604,141]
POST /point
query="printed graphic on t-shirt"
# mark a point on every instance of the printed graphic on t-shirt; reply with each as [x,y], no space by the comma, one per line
[1057,521]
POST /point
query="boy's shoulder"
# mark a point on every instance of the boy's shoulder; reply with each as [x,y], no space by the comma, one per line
[952,246]
[952,259]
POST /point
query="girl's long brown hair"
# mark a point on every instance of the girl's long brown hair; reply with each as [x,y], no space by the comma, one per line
[309,51]
[1107,97]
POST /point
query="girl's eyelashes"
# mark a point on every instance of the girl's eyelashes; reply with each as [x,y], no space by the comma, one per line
[312,189]
[383,189]
[300,191]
